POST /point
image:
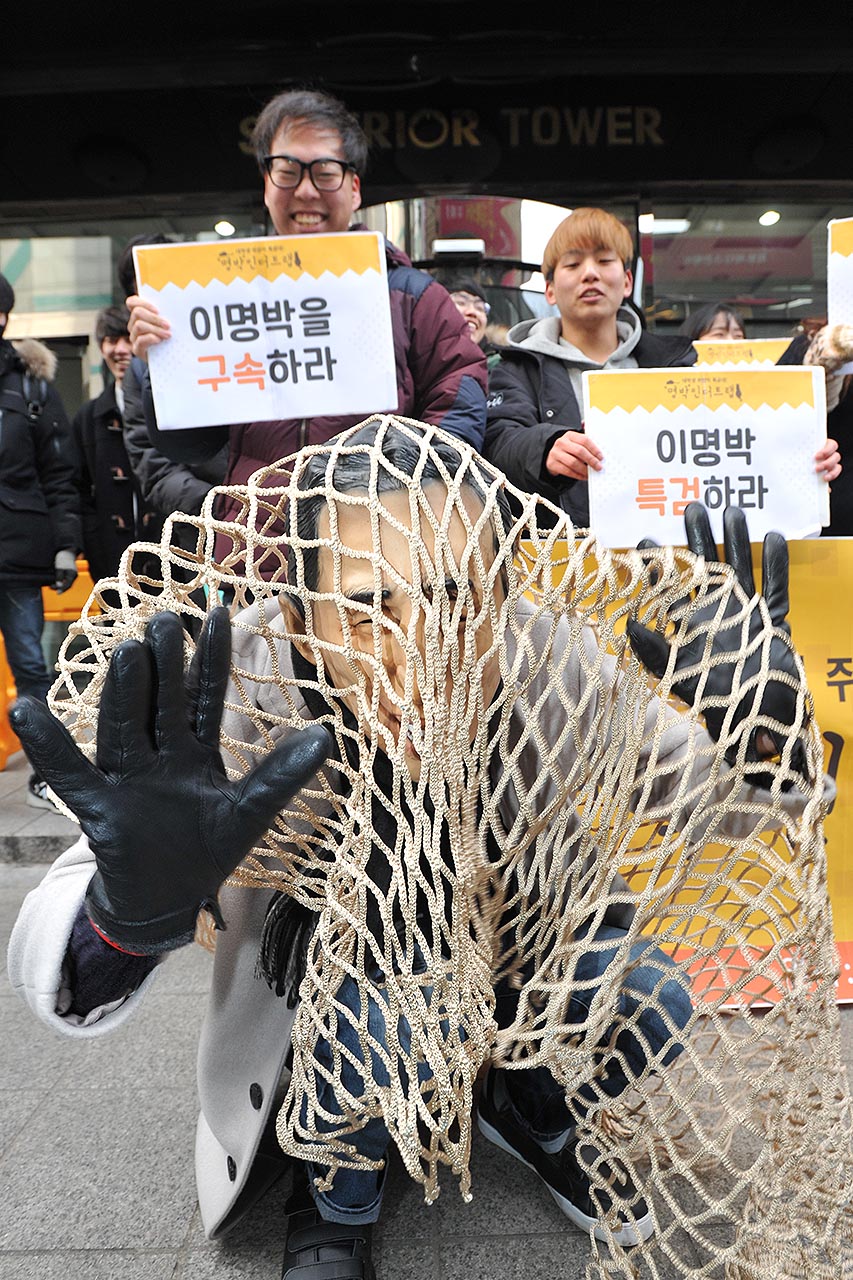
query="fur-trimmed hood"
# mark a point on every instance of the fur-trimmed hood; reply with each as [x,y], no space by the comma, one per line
[39,361]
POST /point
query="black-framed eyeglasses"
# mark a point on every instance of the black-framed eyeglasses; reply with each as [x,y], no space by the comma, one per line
[469,300]
[326,174]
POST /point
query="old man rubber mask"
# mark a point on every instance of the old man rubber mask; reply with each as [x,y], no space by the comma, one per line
[507,778]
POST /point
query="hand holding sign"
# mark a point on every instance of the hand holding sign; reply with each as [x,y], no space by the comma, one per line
[146,326]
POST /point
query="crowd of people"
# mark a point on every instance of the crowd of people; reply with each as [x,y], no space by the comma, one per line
[119,898]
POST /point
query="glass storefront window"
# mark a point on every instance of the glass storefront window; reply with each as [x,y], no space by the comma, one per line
[767,260]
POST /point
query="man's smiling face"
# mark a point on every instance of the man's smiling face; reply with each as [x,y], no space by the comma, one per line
[410,620]
[304,210]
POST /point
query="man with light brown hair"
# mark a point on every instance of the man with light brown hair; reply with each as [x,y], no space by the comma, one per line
[534,429]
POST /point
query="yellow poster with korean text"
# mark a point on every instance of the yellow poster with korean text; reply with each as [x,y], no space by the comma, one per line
[839,271]
[744,437]
[267,329]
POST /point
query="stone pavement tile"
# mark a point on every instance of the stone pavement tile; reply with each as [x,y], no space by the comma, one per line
[87,1265]
[29,835]
[113,1171]
[404,1214]
[13,779]
[16,1107]
[15,884]
[188,969]
[157,1047]
[226,1262]
[405,1259]
[263,1226]
[503,1257]
[32,1056]
[507,1198]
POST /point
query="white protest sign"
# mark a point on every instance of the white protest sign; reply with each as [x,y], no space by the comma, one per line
[744,438]
[839,275]
[279,327]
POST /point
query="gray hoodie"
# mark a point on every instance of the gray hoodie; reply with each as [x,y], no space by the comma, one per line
[544,336]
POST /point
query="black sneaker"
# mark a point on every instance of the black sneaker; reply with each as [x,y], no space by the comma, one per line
[562,1174]
[323,1250]
[38,796]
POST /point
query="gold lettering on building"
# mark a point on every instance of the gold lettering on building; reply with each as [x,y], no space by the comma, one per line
[429,128]
[548,126]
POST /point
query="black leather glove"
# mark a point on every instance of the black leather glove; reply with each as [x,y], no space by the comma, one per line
[741,632]
[164,822]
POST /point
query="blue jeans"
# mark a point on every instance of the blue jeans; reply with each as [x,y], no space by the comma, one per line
[538,1101]
[22,622]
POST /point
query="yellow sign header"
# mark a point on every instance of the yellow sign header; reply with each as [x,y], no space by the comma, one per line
[841,237]
[268,258]
[652,389]
[742,351]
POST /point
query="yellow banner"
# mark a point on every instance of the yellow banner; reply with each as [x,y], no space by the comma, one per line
[758,351]
[269,258]
[652,389]
[841,237]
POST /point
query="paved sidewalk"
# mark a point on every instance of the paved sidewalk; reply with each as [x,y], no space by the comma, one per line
[28,835]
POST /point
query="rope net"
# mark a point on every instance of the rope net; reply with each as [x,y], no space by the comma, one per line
[513,798]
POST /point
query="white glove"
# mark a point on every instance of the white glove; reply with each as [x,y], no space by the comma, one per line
[65,570]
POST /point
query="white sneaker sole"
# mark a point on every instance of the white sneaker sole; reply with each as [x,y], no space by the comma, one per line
[36,802]
[632,1233]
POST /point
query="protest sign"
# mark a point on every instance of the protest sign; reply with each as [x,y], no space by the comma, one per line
[758,353]
[839,276]
[280,327]
[744,438]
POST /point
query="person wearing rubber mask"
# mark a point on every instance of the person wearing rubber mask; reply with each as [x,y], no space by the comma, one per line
[401,607]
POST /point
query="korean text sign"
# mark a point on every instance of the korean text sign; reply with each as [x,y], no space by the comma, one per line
[280,327]
[741,438]
[839,271]
[761,353]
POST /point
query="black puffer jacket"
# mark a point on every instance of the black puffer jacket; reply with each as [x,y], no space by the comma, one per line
[39,503]
[531,402]
[167,486]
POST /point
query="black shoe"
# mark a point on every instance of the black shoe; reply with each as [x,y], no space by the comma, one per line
[583,1203]
[320,1250]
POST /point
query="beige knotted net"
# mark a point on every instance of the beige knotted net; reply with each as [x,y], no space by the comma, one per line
[509,783]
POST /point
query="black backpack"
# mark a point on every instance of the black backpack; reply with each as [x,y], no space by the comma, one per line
[30,400]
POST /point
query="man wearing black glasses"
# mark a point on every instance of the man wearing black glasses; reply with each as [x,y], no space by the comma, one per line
[312,151]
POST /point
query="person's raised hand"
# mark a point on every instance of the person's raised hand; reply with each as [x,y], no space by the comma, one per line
[164,821]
